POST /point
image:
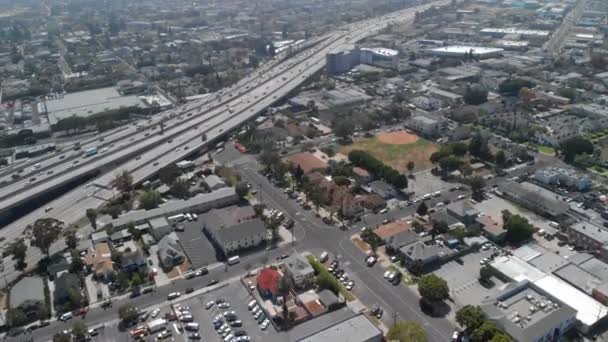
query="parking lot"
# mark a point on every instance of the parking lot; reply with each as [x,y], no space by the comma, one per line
[237,298]
[463,278]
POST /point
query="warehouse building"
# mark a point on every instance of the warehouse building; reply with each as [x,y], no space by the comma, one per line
[459,51]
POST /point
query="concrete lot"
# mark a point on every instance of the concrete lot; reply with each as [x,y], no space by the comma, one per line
[424,182]
[463,280]
[494,206]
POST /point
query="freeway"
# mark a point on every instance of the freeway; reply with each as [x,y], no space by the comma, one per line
[50,172]
[216,123]
[554,44]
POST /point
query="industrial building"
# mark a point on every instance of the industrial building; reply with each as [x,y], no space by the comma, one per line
[460,51]
[342,61]
[356,329]
[528,313]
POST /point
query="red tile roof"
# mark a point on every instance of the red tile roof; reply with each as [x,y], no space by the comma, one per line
[268,280]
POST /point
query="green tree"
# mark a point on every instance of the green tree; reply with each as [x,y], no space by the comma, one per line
[518,229]
[410,166]
[485,332]
[407,332]
[180,189]
[439,227]
[575,146]
[123,182]
[128,313]
[45,231]
[485,273]
[92,216]
[77,265]
[169,174]
[344,128]
[79,331]
[242,189]
[15,317]
[500,158]
[341,181]
[71,240]
[150,199]
[136,279]
[477,184]
[475,95]
[61,337]
[470,317]
[422,209]
[459,149]
[18,249]
[433,288]
[512,87]
[501,337]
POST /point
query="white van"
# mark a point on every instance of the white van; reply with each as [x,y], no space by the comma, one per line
[324,256]
[234,260]
[176,218]
[66,316]
[252,304]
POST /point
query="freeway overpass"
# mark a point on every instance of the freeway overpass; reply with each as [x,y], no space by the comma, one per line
[143,150]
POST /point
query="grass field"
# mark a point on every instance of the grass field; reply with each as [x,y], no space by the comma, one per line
[548,150]
[396,155]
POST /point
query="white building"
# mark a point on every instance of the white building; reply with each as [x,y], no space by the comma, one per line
[459,51]
[426,125]
[381,57]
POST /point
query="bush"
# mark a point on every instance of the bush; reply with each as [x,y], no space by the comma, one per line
[378,168]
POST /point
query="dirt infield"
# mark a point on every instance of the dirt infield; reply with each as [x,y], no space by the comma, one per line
[397,138]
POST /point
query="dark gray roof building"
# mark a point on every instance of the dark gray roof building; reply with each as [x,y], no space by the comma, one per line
[356,329]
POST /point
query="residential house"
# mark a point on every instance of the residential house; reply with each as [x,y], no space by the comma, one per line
[133,258]
[99,262]
[307,162]
[119,237]
[27,295]
[361,175]
[463,211]
[563,177]
[383,189]
[426,125]
[214,182]
[229,239]
[66,284]
[170,252]
[373,202]
[445,96]
[491,229]
[100,237]
[268,280]
[423,253]
[58,264]
[159,227]
[299,270]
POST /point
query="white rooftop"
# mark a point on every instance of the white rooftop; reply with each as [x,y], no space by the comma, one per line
[512,30]
[382,51]
[477,50]
[588,310]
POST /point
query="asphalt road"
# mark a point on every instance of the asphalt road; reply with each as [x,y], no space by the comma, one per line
[321,237]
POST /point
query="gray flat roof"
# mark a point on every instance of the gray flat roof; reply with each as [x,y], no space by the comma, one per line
[355,329]
[578,277]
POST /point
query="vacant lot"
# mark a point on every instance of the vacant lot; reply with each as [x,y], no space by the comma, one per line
[396,154]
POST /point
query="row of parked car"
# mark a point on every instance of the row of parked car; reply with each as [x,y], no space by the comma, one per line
[224,322]
[341,275]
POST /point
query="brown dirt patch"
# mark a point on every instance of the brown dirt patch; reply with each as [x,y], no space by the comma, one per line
[397,138]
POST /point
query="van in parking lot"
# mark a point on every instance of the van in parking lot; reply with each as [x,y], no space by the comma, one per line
[191,326]
[324,256]
[252,304]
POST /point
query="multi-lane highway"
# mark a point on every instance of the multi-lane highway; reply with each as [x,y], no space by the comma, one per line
[142,150]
